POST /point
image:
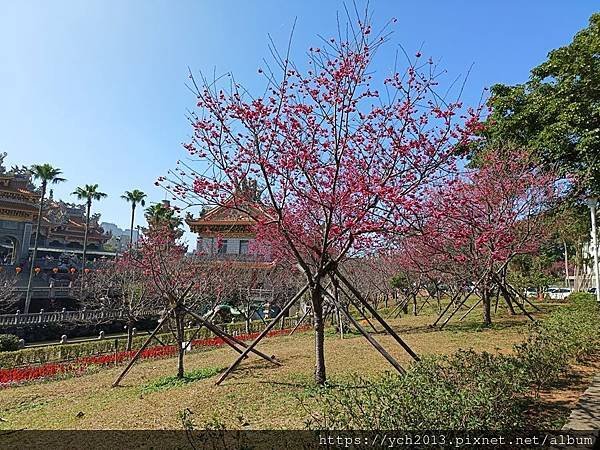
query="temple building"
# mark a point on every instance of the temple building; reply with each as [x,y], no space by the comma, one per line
[18,210]
[62,232]
[226,233]
[62,226]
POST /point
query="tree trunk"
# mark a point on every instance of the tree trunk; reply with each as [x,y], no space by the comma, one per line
[85,239]
[414,304]
[35,247]
[487,306]
[566,264]
[319,324]
[132,221]
[179,318]
[129,335]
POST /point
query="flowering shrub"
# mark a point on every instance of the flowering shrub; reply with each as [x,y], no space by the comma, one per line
[570,333]
[463,391]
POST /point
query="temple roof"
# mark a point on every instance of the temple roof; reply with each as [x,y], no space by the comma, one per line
[228,219]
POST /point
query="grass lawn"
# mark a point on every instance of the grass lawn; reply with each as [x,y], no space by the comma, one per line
[257,396]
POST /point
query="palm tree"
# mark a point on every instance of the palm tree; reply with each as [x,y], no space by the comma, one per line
[134,197]
[46,174]
[159,214]
[88,193]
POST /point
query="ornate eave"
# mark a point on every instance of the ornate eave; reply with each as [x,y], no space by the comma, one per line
[227,221]
[15,215]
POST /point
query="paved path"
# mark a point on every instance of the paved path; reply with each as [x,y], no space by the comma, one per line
[586,415]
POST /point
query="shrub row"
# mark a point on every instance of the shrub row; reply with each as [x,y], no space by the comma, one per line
[464,391]
[69,352]
[570,333]
[83,364]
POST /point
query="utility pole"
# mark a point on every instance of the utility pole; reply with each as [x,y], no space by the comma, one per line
[592,203]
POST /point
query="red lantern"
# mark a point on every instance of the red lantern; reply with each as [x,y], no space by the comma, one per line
[55,270]
[18,269]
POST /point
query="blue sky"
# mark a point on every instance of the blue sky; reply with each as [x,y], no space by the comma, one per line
[97,87]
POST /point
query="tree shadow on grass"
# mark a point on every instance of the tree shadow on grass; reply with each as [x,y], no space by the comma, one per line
[554,404]
[469,326]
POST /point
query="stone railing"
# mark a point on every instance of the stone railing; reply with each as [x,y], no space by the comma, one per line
[47,292]
[93,315]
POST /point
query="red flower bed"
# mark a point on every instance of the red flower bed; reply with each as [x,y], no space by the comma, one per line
[80,365]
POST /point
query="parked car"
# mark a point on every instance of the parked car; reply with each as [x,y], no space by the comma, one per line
[531,292]
[559,293]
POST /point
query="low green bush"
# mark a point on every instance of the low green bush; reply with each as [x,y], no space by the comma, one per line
[9,343]
[571,332]
[466,390]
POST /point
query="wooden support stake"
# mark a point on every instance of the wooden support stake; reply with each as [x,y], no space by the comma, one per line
[142,348]
[229,339]
[401,307]
[358,309]
[471,309]
[376,315]
[425,302]
[194,335]
[157,339]
[452,300]
[370,338]
[524,297]
[260,337]
[308,311]
[505,291]
[462,303]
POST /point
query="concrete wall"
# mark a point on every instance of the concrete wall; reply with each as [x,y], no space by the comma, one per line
[204,245]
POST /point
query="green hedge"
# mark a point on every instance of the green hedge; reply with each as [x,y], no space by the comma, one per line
[9,342]
[67,352]
[466,390]
[570,333]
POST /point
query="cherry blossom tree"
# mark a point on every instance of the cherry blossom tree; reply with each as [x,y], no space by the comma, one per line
[120,285]
[340,162]
[185,286]
[373,274]
[474,225]
[172,279]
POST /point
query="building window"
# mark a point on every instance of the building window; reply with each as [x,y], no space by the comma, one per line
[243,247]
[222,249]
[9,225]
